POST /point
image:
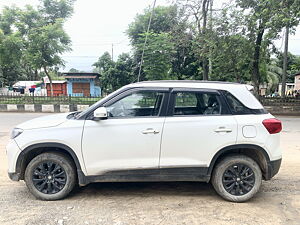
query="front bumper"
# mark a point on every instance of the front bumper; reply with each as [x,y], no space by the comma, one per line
[12,152]
[273,168]
[14,176]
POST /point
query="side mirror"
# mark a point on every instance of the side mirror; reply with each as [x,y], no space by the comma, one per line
[100,113]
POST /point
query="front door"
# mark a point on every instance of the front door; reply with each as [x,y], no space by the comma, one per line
[129,138]
[198,127]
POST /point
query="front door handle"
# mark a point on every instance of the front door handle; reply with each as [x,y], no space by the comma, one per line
[150,131]
[223,129]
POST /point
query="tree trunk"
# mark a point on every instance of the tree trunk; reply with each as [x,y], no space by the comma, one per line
[286,47]
[36,75]
[205,66]
[256,57]
[50,80]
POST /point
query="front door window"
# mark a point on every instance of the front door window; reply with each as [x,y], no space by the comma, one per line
[137,104]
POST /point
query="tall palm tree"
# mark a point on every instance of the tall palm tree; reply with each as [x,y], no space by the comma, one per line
[274,73]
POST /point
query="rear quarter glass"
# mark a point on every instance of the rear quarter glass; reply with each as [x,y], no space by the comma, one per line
[245,96]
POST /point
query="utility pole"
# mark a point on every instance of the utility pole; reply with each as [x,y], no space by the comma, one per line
[112,52]
[285,53]
[210,49]
[145,42]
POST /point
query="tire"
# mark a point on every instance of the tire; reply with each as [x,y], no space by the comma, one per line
[237,178]
[50,169]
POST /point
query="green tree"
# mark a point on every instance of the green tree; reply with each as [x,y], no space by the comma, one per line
[73,70]
[10,56]
[33,39]
[45,45]
[230,50]
[47,40]
[103,66]
[167,32]
[56,9]
[265,19]
[198,12]
[274,73]
[114,75]
[293,65]
[163,21]
[157,63]
[11,45]
[123,71]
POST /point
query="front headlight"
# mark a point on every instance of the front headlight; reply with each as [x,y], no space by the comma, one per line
[15,133]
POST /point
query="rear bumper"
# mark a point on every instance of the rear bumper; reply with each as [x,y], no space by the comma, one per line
[273,168]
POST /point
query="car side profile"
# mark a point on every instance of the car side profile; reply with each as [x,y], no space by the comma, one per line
[214,132]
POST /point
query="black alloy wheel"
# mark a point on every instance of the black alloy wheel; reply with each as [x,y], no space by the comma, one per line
[238,179]
[49,177]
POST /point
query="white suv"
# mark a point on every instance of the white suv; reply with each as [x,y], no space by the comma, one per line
[152,131]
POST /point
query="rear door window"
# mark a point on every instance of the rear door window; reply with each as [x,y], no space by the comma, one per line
[197,103]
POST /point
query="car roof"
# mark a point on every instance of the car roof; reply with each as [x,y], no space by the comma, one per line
[240,91]
[185,83]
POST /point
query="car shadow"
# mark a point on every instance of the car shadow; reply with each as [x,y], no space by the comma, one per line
[145,189]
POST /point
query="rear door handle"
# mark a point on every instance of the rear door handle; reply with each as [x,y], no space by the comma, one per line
[223,129]
[150,131]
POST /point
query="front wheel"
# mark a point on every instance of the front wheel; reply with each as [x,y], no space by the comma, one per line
[50,176]
[237,178]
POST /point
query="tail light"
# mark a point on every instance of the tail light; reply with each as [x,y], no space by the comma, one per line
[272,125]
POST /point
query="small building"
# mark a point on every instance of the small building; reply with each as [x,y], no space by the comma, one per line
[82,84]
[263,89]
[297,81]
[289,89]
[59,87]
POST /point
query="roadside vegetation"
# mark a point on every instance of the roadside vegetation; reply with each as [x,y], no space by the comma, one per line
[190,39]
[60,100]
[32,40]
[194,40]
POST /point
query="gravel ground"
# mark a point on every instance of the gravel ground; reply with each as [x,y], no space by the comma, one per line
[278,201]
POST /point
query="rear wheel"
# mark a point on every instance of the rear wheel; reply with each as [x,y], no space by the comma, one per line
[237,178]
[50,176]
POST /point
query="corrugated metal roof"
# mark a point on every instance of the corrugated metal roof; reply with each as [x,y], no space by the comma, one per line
[70,76]
[56,82]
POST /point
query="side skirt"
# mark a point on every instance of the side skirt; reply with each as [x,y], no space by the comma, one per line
[149,175]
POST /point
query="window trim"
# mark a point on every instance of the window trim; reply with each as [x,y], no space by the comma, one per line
[224,110]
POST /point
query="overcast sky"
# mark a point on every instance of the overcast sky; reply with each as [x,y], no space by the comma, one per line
[97,24]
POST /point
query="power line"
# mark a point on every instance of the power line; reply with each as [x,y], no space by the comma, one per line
[150,19]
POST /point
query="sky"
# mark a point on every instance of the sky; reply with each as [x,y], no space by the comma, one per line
[97,24]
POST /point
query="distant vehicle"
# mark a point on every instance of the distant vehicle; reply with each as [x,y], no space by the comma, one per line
[19,89]
[275,94]
[152,131]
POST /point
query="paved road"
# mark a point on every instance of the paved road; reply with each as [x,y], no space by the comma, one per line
[278,202]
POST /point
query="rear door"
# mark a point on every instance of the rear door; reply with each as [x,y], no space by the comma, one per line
[199,124]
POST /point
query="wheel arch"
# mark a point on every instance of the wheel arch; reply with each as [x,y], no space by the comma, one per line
[257,153]
[33,150]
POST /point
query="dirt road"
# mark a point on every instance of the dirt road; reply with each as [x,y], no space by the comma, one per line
[278,202]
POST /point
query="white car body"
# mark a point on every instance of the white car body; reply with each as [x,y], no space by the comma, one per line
[151,143]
